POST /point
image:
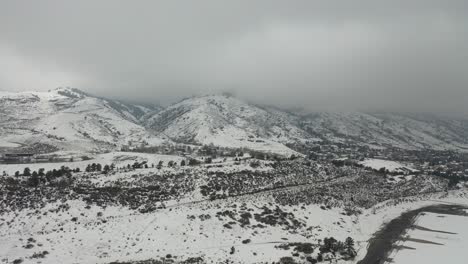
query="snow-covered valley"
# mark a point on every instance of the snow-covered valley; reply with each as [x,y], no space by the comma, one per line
[222,211]
[211,179]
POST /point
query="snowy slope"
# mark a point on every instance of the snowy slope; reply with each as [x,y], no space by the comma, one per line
[70,119]
[226,121]
[415,131]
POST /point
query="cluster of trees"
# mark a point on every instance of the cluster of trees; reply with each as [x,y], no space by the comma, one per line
[158,165]
[35,178]
[254,164]
[348,162]
[453,179]
[193,162]
[169,164]
[98,167]
[215,151]
[331,245]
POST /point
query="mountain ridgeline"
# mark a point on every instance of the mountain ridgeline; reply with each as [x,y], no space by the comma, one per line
[69,119]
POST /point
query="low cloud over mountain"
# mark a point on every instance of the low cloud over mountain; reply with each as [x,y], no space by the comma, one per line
[322,55]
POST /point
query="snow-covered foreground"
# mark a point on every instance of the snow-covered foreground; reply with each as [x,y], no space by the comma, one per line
[375,218]
[226,210]
[97,235]
[73,232]
[446,242]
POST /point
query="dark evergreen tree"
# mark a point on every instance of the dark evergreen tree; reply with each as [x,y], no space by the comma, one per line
[193,162]
[349,245]
[34,179]
[106,169]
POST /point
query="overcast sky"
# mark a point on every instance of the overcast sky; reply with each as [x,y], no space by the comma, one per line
[399,55]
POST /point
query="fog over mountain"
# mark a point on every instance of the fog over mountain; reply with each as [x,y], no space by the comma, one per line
[321,55]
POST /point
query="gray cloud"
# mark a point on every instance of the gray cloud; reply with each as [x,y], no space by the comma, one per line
[330,55]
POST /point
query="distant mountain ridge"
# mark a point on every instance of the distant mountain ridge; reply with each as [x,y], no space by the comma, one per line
[70,119]
[413,131]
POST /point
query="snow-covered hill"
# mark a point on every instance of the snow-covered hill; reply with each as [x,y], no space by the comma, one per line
[70,119]
[226,121]
[411,131]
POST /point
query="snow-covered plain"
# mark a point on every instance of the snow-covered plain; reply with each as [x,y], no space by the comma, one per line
[123,235]
[378,216]
[119,159]
[392,166]
[449,247]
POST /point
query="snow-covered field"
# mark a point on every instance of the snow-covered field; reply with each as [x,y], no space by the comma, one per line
[103,235]
[7,144]
[446,243]
[375,218]
[392,166]
[119,159]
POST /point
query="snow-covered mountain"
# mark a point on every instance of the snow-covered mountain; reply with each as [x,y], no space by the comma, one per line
[411,131]
[69,119]
[226,121]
